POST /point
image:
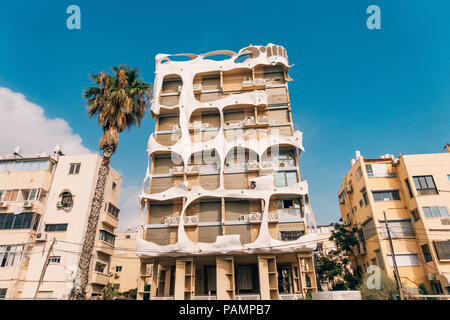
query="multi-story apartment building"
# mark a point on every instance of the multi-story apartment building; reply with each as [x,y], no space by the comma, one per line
[44,208]
[225,213]
[413,192]
[125,264]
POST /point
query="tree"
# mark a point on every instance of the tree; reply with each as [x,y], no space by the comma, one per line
[387,291]
[335,266]
[108,292]
[119,101]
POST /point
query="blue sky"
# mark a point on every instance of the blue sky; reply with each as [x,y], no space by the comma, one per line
[378,91]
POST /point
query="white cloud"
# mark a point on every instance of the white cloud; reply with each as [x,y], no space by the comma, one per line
[23,123]
[129,207]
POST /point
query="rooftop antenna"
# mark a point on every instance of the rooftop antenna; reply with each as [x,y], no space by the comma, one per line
[17,151]
[58,150]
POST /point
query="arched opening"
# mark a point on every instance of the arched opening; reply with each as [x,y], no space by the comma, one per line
[168,131]
[203,169]
[167,171]
[204,124]
[170,90]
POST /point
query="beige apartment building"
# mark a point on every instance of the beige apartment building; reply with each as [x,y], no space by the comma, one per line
[414,193]
[225,213]
[125,264]
[44,207]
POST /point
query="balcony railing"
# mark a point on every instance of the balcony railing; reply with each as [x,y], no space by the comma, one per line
[204,297]
[193,170]
[174,221]
[256,217]
[177,171]
[198,125]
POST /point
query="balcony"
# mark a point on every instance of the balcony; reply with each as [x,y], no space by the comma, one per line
[257,84]
[189,221]
[252,166]
[105,247]
[193,170]
[108,219]
[177,171]
[198,125]
[100,278]
[266,166]
[256,217]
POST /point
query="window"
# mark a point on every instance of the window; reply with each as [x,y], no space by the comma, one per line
[66,200]
[100,267]
[404,260]
[358,173]
[10,255]
[369,170]
[379,258]
[114,211]
[415,215]
[436,287]
[373,261]
[361,203]
[74,168]
[425,185]
[364,194]
[27,220]
[3,293]
[284,179]
[442,249]
[118,268]
[107,237]
[435,212]
[426,253]
[54,260]
[388,195]
[116,286]
[285,158]
[398,229]
[409,188]
[290,235]
[56,227]
[114,185]
[369,229]
[24,165]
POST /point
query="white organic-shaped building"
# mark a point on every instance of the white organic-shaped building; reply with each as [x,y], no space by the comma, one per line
[224,212]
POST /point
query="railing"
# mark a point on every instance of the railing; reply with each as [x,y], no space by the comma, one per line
[162,298]
[234,124]
[192,170]
[247,297]
[252,165]
[209,168]
[290,296]
[198,125]
[204,297]
[266,165]
[235,165]
[176,171]
[174,221]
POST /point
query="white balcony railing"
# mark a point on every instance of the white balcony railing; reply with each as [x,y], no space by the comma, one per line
[247,82]
[177,170]
[174,221]
[266,165]
[192,170]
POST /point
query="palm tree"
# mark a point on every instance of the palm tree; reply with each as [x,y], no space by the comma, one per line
[119,101]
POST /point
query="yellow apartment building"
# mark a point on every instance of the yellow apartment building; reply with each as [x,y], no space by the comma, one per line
[224,211]
[125,264]
[414,193]
[44,206]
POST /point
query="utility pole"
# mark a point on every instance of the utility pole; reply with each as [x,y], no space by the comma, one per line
[44,268]
[397,275]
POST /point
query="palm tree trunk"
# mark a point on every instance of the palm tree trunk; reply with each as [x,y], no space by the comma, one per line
[91,230]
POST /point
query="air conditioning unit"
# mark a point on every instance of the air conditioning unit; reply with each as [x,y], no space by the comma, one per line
[3,205]
[177,171]
[249,120]
[430,276]
[180,88]
[172,221]
[243,217]
[445,222]
[27,204]
[41,236]
[174,127]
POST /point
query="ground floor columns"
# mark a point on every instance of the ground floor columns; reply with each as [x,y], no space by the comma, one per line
[184,279]
[308,282]
[268,278]
[225,278]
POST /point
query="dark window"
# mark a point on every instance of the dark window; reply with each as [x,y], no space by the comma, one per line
[415,215]
[19,221]
[361,203]
[425,185]
[436,287]
[114,185]
[74,168]
[364,194]
[114,211]
[56,227]
[54,260]
[442,249]
[409,188]
[427,253]
[118,268]
[3,293]
[107,237]
[369,170]
[387,195]
[290,235]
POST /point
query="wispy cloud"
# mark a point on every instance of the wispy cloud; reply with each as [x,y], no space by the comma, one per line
[129,207]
